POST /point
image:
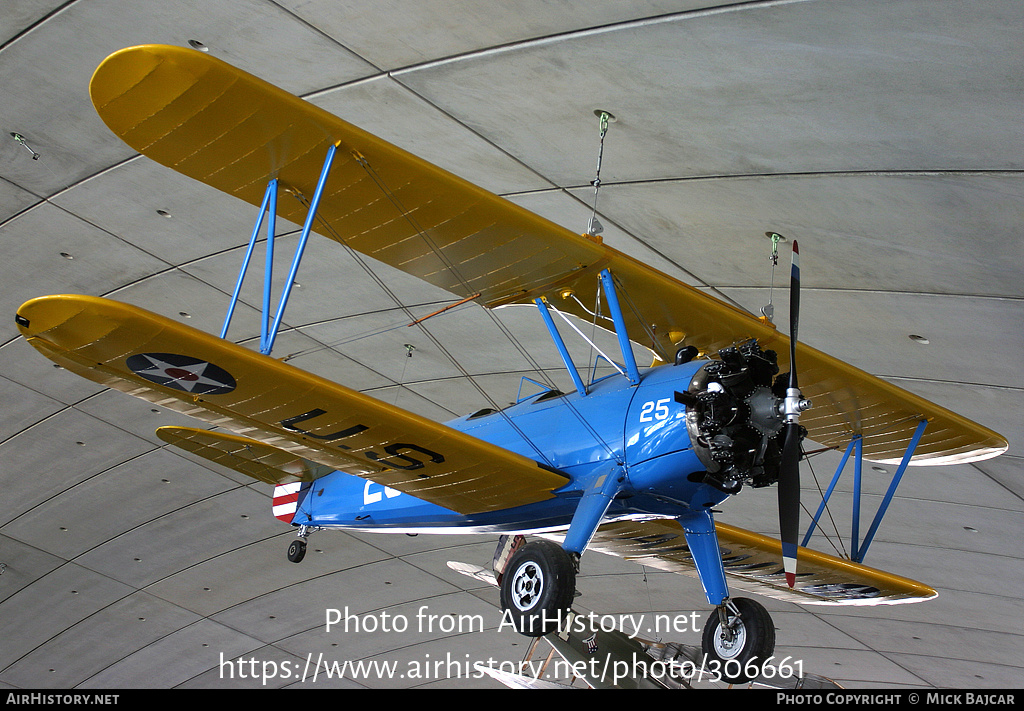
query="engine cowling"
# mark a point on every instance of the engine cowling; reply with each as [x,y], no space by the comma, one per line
[734,416]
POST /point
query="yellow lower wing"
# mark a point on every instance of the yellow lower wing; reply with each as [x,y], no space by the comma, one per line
[753,563]
[213,122]
[291,411]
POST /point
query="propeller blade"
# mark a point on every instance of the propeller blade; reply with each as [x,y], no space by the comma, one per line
[794,313]
[789,473]
[789,500]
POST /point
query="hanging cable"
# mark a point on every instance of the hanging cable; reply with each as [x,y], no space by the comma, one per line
[595,227]
[21,139]
[409,348]
[768,310]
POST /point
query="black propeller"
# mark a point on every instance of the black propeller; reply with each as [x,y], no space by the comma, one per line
[792,406]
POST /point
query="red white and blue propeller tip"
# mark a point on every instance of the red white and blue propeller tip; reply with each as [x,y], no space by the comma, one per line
[789,562]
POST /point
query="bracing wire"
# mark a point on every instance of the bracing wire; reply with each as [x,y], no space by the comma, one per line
[405,309]
[382,185]
[841,549]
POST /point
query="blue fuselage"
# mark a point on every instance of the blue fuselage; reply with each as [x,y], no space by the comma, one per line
[636,430]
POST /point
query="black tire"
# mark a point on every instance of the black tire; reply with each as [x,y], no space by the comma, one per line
[297,550]
[537,588]
[753,645]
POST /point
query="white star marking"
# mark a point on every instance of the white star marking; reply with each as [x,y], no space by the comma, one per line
[185,377]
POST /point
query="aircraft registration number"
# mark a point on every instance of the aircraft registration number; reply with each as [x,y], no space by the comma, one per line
[395,451]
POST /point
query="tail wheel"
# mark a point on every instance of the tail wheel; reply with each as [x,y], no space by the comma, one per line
[537,588]
[297,550]
[743,644]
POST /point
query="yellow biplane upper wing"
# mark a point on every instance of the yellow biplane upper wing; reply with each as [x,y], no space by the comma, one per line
[235,132]
[292,415]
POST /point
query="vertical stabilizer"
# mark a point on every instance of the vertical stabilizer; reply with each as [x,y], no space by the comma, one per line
[286,501]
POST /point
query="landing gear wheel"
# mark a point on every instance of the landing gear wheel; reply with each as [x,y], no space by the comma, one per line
[297,550]
[537,588]
[742,646]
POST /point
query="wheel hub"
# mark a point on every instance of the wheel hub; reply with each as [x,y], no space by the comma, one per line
[527,585]
[730,642]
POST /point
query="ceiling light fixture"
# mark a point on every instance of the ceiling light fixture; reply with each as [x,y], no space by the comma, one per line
[919,339]
[196,44]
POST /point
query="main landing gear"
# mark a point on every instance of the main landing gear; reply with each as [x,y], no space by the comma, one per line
[739,638]
[538,584]
[537,588]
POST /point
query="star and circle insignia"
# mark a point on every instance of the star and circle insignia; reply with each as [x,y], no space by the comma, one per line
[182,372]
